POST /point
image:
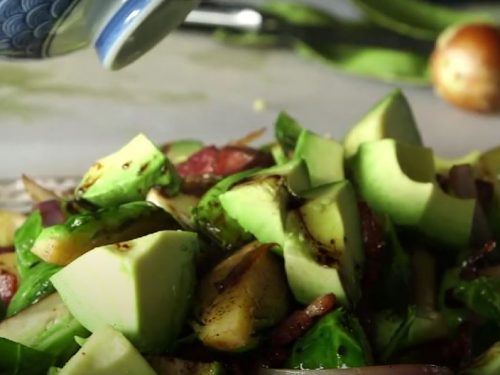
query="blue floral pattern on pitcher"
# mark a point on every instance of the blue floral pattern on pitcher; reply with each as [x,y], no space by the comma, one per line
[25,25]
[122,30]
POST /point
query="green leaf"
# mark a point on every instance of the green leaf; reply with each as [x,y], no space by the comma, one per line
[481,295]
[359,48]
[17,359]
[382,63]
[24,239]
[416,18]
[33,288]
[335,341]
[287,131]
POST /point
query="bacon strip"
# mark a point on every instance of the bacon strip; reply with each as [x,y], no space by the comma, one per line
[300,321]
[204,168]
[8,286]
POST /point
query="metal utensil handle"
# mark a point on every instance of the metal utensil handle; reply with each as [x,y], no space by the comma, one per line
[239,18]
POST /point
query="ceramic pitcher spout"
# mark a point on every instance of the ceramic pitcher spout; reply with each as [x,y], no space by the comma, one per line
[120,30]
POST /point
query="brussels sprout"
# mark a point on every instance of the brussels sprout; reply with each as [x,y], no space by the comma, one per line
[337,340]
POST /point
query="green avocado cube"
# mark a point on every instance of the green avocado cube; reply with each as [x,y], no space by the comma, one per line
[392,118]
[126,175]
[324,158]
[107,352]
[398,179]
[142,287]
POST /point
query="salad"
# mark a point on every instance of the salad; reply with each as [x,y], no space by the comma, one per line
[369,256]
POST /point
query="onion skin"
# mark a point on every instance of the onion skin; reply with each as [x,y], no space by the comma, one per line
[465,67]
[371,370]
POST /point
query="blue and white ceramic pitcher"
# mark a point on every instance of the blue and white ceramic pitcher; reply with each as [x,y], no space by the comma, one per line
[120,30]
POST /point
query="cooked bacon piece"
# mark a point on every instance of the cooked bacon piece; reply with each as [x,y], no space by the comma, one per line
[223,162]
[8,286]
[232,159]
[301,320]
[8,249]
[200,163]
[294,327]
[207,166]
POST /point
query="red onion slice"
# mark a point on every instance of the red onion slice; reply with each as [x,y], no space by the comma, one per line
[370,370]
[51,212]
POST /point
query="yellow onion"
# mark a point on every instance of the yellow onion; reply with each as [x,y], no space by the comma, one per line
[465,67]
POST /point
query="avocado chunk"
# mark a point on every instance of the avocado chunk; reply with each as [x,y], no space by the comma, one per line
[141,287]
[176,366]
[331,220]
[278,154]
[259,204]
[259,207]
[398,179]
[107,352]
[392,117]
[294,172]
[180,206]
[212,220]
[63,243]
[324,158]
[47,326]
[337,340]
[308,277]
[242,295]
[127,175]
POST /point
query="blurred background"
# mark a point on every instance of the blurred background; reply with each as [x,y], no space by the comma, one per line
[57,116]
